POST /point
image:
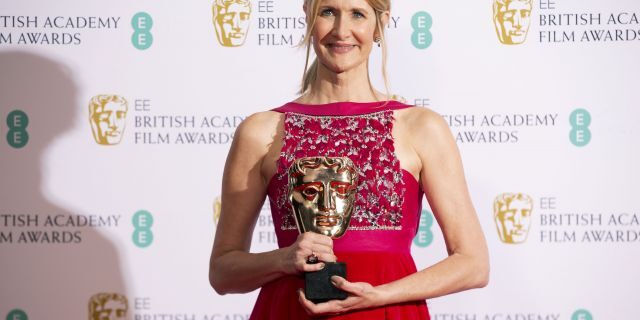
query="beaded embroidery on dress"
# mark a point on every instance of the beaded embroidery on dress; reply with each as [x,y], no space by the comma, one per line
[377,245]
[367,140]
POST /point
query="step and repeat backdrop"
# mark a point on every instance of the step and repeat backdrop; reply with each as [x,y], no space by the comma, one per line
[117,117]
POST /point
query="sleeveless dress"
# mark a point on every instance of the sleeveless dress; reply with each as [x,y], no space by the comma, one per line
[384,221]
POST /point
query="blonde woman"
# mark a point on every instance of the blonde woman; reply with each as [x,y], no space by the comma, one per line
[402,153]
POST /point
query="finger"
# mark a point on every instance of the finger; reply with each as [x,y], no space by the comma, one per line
[308,306]
[350,287]
[318,238]
[305,254]
[317,309]
[326,257]
[313,267]
[324,253]
[331,307]
[322,248]
[307,247]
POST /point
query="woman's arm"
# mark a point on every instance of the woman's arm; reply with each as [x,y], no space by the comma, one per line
[232,268]
[443,181]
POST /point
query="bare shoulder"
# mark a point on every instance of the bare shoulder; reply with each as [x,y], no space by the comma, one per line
[254,137]
[258,128]
[424,124]
[259,123]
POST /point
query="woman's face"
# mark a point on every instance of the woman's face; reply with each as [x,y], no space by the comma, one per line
[343,33]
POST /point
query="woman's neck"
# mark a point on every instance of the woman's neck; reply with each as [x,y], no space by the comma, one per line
[352,85]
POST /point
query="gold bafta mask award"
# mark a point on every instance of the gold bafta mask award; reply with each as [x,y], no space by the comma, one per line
[512,19]
[512,214]
[322,193]
[108,306]
[107,116]
[231,19]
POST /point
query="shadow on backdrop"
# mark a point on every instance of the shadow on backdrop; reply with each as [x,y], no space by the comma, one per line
[46,280]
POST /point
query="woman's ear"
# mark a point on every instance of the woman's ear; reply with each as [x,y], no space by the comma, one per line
[384,18]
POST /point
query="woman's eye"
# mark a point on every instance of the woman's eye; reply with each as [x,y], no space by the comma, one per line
[358,14]
[326,12]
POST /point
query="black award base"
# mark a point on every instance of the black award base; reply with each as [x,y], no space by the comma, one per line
[318,287]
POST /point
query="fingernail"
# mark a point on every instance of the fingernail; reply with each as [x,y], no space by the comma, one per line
[322,265]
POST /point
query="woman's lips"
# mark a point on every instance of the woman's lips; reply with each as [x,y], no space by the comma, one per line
[340,48]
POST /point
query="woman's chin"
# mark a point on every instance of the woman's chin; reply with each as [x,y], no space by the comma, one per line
[339,68]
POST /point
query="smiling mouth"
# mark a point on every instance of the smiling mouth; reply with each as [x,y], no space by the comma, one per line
[340,48]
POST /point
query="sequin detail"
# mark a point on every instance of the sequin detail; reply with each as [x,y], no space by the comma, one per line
[368,142]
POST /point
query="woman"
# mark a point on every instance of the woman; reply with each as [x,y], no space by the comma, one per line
[401,152]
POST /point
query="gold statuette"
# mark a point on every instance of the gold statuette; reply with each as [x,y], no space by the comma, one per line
[322,194]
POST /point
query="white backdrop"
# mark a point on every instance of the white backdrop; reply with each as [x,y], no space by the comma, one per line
[136,218]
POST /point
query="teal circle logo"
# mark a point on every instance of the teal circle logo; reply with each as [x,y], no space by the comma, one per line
[142,234]
[580,120]
[424,236]
[142,38]
[421,23]
[17,136]
[17,314]
[581,314]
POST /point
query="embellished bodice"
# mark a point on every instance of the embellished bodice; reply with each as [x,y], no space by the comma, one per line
[377,245]
[387,198]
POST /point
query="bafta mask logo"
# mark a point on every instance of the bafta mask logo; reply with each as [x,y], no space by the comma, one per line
[512,214]
[107,115]
[512,19]
[322,194]
[108,306]
[231,19]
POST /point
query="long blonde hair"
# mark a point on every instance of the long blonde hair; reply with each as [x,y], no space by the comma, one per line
[311,72]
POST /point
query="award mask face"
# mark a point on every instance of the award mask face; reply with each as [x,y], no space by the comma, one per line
[231,19]
[107,115]
[512,19]
[108,306]
[512,213]
[322,194]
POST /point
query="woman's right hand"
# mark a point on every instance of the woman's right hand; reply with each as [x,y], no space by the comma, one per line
[307,244]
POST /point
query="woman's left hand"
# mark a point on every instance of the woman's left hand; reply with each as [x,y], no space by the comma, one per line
[361,296]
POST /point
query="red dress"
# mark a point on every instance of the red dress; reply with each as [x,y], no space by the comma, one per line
[376,246]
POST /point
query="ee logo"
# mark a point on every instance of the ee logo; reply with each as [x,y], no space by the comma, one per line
[17,136]
[580,120]
[424,236]
[581,314]
[421,36]
[17,314]
[142,234]
[142,37]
